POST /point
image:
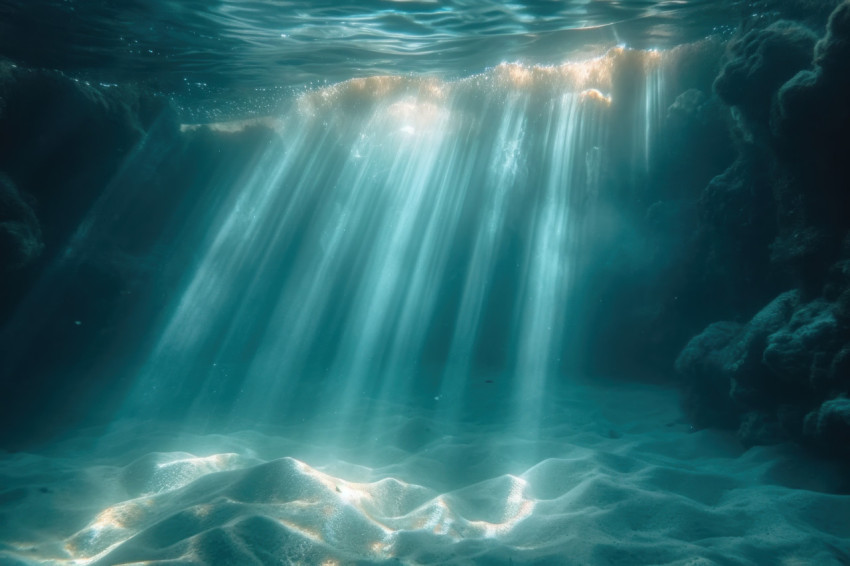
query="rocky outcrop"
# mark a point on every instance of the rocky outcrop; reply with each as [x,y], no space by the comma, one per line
[784,374]
[770,376]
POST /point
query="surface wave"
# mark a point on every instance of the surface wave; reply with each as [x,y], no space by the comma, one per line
[194,45]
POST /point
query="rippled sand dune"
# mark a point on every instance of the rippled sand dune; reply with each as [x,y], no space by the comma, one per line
[611,484]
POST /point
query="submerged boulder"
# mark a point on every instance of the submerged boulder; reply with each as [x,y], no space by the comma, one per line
[702,367]
[802,350]
[828,427]
[765,376]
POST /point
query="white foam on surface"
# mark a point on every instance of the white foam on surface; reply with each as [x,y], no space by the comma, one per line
[616,478]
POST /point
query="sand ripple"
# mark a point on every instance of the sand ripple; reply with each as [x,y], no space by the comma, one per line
[654,494]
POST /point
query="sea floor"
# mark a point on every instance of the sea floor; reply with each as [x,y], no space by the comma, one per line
[613,475]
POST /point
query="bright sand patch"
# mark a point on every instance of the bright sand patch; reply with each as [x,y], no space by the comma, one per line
[615,478]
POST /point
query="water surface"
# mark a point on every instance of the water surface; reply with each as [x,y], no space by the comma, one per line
[263,50]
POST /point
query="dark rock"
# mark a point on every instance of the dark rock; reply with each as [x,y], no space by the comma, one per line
[760,62]
[803,249]
[737,223]
[814,101]
[760,429]
[20,232]
[702,367]
[743,357]
[791,356]
[802,350]
[724,363]
[838,280]
[83,132]
[783,207]
[828,427]
[63,145]
[832,52]
[696,144]
[839,370]
[809,124]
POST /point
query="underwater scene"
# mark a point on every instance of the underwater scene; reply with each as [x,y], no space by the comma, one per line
[411,282]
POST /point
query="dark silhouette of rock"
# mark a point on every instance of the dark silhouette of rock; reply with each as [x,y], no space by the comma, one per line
[20,232]
[760,62]
[785,373]
[828,427]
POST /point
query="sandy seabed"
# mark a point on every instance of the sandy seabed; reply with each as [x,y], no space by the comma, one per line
[615,476]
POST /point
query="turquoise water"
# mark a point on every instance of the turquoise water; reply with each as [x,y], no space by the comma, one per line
[428,210]
[401,282]
[242,57]
[409,240]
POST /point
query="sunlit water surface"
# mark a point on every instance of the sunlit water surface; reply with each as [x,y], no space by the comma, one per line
[239,58]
